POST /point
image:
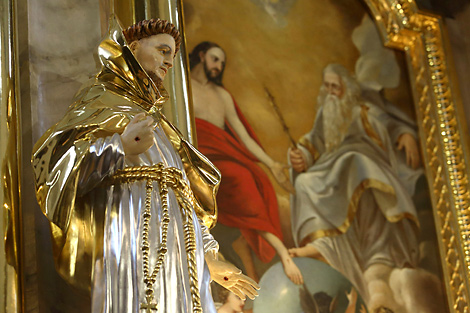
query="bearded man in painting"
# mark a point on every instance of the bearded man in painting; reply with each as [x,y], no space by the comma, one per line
[130,202]
[351,208]
[246,197]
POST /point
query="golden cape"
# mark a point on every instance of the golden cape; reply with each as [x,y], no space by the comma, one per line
[102,108]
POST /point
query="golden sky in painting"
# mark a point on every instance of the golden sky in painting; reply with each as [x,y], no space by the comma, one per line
[286,57]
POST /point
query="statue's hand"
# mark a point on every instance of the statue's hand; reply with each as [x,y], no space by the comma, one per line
[297,160]
[278,171]
[230,277]
[138,135]
[408,142]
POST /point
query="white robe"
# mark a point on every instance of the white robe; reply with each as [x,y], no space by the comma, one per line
[351,205]
[117,281]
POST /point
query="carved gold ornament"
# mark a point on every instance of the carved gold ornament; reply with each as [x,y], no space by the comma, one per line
[421,37]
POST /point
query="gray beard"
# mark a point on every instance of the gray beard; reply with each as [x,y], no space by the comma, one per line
[336,117]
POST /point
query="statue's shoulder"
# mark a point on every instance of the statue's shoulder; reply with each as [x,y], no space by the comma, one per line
[98,112]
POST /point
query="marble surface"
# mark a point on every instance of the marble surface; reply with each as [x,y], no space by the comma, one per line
[57,40]
[62,39]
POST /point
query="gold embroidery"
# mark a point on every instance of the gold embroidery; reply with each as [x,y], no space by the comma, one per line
[370,131]
[352,210]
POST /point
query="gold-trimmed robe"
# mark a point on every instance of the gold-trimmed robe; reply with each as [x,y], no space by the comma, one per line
[350,203]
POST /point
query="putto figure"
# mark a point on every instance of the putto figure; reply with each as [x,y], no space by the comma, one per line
[130,201]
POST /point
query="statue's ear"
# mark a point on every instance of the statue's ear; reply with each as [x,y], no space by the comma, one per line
[201,56]
[133,45]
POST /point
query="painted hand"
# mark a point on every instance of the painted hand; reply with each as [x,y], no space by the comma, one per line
[297,160]
[230,277]
[138,135]
[352,299]
[352,296]
[408,142]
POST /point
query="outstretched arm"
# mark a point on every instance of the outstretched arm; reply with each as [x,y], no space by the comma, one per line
[276,168]
[223,273]
[230,277]
[232,117]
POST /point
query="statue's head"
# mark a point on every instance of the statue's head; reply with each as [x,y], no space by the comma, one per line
[154,43]
[211,56]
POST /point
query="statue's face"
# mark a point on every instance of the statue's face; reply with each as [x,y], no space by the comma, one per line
[155,54]
[333,84]
[214,62]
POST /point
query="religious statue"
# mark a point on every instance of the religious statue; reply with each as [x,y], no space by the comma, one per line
[130,202]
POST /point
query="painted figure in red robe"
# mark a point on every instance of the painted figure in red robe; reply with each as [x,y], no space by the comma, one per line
[246,197]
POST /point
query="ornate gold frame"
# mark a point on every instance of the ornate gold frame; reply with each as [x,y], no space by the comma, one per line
[421,36]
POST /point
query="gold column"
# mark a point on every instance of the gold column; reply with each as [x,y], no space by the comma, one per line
[10,154]
[179,109]
[125,11]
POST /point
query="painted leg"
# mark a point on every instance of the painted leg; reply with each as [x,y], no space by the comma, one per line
[243,250]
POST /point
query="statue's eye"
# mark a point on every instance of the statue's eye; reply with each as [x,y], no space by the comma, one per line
[163,51]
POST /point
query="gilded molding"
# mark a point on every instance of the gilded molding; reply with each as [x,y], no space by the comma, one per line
[420,36]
